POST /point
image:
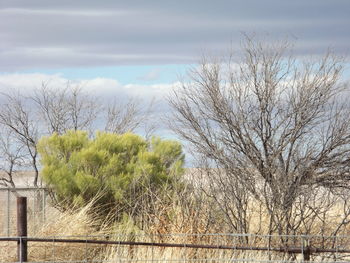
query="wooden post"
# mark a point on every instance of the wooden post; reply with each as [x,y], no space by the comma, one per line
[22,228]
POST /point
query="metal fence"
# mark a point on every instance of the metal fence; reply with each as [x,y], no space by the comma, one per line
[37,208]
[136,246]
[181,247]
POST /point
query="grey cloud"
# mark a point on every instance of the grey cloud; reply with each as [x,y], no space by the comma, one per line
[90,33]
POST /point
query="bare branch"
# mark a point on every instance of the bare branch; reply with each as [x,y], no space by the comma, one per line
[65,108]
[16,117]
[127,117]
[273,126]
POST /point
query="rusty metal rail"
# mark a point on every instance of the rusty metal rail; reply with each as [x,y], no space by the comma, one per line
[305,251]
[297,250]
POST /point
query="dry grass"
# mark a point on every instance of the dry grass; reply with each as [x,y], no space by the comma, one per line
[194,220]
[68,224]
[144,254]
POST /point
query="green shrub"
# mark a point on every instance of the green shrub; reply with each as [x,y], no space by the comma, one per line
[124,171]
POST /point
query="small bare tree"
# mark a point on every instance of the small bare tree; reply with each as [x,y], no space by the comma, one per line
[65,108]
[71,108]
[127,117]
[12,158]
[17,118]
[83,109]
[275,127]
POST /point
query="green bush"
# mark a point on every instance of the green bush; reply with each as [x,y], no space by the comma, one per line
[122,170]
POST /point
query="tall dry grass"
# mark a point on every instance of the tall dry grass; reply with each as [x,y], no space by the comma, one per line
[68,224]
[191,216]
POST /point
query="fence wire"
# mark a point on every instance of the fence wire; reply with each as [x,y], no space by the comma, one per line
[37,209]
[56,251]
[239,247]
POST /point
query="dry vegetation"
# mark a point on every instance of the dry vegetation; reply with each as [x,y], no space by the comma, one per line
[190,214]
[270,131]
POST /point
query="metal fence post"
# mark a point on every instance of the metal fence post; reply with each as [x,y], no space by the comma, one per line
[43,205]
[306,250]
[33,210]
[8,212]
[22,228]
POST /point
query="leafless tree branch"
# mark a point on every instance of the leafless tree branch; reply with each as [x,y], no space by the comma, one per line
[273,126]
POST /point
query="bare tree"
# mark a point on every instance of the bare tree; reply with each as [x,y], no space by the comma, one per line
[126,117]
[16,116]
[274,126]
[12,158]
[82,108]
[71,108]
[65,108]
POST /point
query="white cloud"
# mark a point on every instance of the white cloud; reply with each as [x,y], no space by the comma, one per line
[28,82]
[157,90]
[102,87]
[152,75]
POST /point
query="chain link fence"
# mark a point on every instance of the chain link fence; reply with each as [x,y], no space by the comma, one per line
[37,209]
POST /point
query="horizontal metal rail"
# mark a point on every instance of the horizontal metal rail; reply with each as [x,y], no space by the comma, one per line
[11,189]
[177,245]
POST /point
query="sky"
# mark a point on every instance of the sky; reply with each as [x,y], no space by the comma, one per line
[141,48]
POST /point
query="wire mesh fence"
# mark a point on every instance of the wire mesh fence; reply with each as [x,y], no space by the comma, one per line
[182,247]
[136,246]
[37,208]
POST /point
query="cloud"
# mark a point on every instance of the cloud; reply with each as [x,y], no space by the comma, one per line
[61,34]
[152,75]
[26,83]
[105,88]
[55,12]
